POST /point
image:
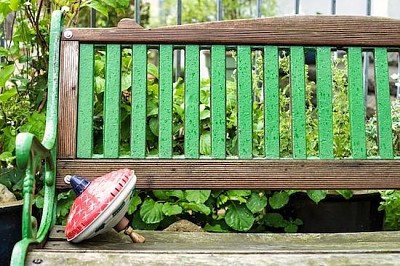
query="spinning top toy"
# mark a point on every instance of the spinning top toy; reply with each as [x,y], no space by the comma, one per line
[101,205]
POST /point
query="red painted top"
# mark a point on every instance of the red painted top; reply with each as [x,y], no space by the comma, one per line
[94,200]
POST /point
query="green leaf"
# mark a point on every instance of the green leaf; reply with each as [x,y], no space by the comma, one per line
[135,202]
[257,202]
[125,81]
[291,228]
[14,4]
[205,143]
[100,84]
[347,194]
[238,193]
[110,3]
[171,209]
[6,176]
[99,7]
[6,156]
[204,114]
[279,199]
[3,51]
[197,207]
[167,194]
[217,226]
[298,221]
[275,220]
[153,124]
[152,70]
[197,196]
[64,204]
[317,195]
[152,108]
[239,217]
[151,211]
[139,224]
[6,95]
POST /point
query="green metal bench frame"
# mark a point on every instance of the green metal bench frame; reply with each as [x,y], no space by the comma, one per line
[67,146]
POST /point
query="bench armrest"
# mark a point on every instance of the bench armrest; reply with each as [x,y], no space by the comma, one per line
[32,154]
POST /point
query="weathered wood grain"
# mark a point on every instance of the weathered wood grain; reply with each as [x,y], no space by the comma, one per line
[199,248]
[68,95]
[237,174]
[287,30]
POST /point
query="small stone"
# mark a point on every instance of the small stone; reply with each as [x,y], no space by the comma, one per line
[184,226]
[6,195]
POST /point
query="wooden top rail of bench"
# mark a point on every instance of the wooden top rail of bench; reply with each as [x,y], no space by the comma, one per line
[290,30]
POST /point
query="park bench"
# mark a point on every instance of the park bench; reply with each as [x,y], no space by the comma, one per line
[68,143]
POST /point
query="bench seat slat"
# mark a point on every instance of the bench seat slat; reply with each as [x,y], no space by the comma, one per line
[139,94]
[356,104]
[297,86]
[271,101]
[85,101]
[112,94]
[324,98]
[385,140]
[244,102]
[166,97]
[218,101]
[199,248]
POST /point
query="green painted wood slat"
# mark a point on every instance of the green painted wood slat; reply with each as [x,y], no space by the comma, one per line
[385,140]
[218,102]
[297,83]
[166,100]
[85,101]
[139,93]
[356,103]
[192,101]
[112,101]
[245,103]
[271,101]
[324,102]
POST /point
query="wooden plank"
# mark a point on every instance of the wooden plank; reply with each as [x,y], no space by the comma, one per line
[245,103]
[356,104]
[204,258]
[85,103]
[68,100]
[271,101]
[288,30]
[139,96]
[329,242]
[166,100]
[218,101]
[192,101]
[298,102]
[237,174]
[199,248]
[385,139]
[324,98]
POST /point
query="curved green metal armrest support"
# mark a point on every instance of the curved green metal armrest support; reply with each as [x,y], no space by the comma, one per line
[30,154]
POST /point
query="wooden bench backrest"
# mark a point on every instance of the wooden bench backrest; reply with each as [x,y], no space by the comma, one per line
[267,37]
